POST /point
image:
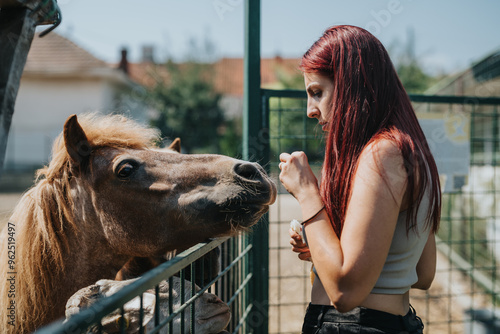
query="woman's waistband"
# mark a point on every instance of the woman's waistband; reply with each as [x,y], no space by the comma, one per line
[367,317]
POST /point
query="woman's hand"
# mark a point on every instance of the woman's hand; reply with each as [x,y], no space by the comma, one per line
[297,177]
[299,246]
[299,180]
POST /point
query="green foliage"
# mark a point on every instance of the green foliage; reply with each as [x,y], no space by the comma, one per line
[290,128]
[413,77]
[188,107]
[289,80]
[410,70]
[231,141]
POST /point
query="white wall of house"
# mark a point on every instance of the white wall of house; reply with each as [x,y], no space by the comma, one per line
[42,106]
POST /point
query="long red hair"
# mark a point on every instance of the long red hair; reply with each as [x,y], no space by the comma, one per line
[369,103]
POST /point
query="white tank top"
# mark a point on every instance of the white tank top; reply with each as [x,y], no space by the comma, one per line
[400,269]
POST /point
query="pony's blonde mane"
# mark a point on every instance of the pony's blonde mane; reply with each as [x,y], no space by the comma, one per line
[44,218]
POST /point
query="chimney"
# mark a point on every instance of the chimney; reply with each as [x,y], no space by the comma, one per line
[148,54]
[123,61]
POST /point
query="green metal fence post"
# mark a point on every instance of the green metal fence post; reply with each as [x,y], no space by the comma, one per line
[252,119]
[255,146]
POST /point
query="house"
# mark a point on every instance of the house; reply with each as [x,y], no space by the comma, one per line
[465,136]
[482,79]
[61,78]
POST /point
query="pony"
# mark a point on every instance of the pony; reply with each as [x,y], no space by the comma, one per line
[109,195]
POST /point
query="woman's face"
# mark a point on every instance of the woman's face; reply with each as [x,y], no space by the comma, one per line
[319,97]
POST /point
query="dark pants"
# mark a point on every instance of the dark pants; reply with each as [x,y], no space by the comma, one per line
[323,319]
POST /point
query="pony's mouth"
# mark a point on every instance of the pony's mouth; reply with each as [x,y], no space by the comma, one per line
[248,207]
[241,216]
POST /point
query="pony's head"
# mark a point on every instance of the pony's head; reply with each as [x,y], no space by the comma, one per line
[109,194]
[147,200]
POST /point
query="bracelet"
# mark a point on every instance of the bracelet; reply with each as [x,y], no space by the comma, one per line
[314,216]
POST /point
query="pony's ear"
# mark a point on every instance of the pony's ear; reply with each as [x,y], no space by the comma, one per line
[75,140]
[176,145]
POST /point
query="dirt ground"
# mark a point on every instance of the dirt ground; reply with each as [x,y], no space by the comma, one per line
[441,308]
[7,203]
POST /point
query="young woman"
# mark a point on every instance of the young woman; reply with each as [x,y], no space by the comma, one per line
[369,226]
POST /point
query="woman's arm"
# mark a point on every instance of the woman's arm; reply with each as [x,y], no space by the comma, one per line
[426,266]
[350,267]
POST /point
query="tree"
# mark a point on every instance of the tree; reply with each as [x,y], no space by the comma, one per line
[188,106]
[410,70]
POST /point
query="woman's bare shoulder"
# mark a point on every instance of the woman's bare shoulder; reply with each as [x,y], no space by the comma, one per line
[385,156]
[382,147]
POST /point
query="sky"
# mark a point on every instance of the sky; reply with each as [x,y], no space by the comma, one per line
[449,35]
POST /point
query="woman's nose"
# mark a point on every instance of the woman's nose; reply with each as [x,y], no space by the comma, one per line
[312,110]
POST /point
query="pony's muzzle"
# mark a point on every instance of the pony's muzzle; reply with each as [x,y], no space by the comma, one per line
[248,171]
[254,176]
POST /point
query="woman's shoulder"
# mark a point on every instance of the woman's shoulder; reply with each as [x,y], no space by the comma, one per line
[384,153]
[382,146]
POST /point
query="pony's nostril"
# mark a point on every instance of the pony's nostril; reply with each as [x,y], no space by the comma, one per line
[247,170]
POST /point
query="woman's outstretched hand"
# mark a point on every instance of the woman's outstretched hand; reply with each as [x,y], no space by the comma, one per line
[299,246]
[297,176]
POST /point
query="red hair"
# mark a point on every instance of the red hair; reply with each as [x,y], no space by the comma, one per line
[369,103]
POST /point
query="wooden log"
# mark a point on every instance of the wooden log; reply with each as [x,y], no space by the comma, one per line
[31,4]
[18,20]
[17,28]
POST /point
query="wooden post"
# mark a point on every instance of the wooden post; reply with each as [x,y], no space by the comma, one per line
[17,29]
[18,20]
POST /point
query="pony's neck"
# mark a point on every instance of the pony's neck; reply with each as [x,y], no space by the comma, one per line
[89,257]
[58,253]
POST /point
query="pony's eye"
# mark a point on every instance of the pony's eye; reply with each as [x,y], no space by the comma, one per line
[125,169]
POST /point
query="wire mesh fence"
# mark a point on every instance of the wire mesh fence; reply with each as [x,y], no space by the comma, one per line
[463,133]
[464,136]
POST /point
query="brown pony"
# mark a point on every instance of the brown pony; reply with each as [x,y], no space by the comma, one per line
[109,195]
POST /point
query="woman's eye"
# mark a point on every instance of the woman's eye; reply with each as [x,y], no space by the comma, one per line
[125,170]
[317,93]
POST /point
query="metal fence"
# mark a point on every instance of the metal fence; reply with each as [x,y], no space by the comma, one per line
[463,133]
[269,289]
[230,283]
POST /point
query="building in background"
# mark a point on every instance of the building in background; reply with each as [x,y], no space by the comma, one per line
[482,79]
[60,79]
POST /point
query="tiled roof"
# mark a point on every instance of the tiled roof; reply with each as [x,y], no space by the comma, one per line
[147,74]
[228,73]
[55,54]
